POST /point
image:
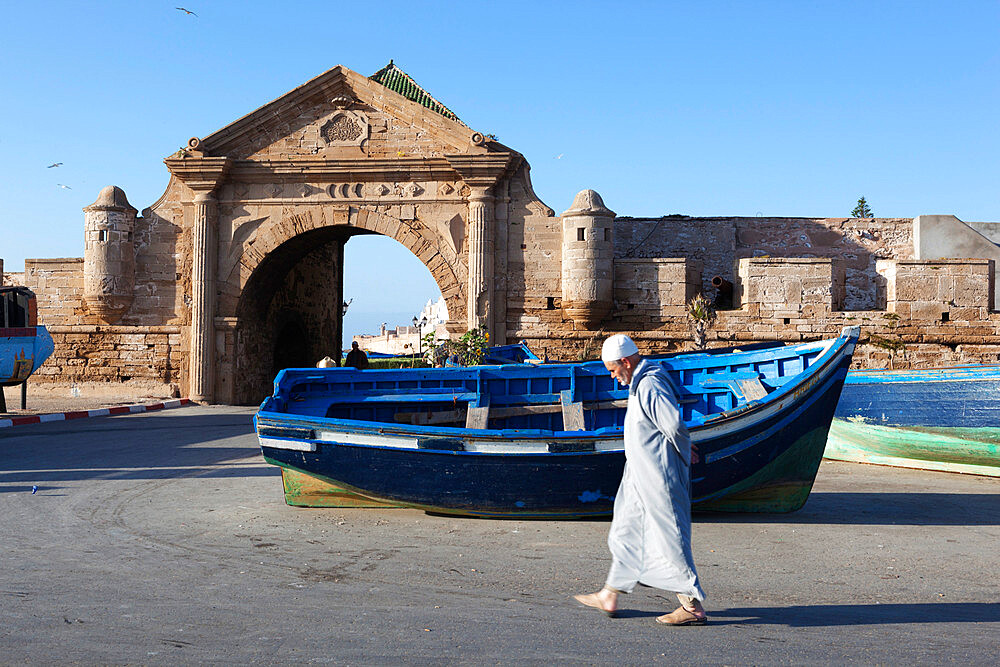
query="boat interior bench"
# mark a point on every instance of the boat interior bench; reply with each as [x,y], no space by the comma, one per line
[708,393]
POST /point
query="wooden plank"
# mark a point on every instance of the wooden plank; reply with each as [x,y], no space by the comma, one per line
[427,417]
[752,389]
[443,417]
[478,415]
[395,397]
[572,412]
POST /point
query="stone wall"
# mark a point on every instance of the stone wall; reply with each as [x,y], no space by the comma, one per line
[148,359]
[938,314]
[271,199]
[652,290]
[58,287]
[854,245]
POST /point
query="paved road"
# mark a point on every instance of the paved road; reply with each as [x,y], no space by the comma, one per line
[163,538]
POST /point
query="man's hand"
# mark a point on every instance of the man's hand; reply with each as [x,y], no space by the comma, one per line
[694,454]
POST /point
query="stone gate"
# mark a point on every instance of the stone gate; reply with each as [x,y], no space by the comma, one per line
[237,270]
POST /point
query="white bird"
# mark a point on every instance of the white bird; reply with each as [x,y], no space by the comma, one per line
[186,11]
[64,187]
[54,164]
[559,157]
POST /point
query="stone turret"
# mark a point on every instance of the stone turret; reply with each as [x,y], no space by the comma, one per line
[588,259]
[109,255]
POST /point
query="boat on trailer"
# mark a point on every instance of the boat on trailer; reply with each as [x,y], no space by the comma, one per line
[545,441]
[936,419]
[24,345]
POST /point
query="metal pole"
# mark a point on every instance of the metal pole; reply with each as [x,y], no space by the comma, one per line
[24,395]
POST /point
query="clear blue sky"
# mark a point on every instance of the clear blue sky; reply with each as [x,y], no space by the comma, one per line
[702,108]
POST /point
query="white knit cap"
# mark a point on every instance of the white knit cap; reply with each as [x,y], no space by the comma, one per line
[618,347]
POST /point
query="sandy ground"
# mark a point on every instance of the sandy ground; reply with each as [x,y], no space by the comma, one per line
[42,399]
[163,538]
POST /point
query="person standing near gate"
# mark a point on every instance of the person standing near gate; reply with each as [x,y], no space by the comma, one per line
[650,536]
[356,357]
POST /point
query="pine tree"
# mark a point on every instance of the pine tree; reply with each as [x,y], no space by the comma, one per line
[862,210]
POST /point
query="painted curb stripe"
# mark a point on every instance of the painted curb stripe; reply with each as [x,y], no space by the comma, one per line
[99,412]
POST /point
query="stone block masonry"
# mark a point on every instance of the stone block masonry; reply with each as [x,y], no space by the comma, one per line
[938,314]
[142,357]
[238,267]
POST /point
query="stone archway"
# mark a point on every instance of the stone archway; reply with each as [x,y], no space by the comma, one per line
[292,281]
[355,155]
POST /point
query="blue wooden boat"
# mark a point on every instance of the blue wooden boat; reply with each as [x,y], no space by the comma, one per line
[518,353]
[546,441]
[24,345]
[937,419]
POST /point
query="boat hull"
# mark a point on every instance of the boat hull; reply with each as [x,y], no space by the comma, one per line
[944,419]
[755,460]
[22,351]
[305,490]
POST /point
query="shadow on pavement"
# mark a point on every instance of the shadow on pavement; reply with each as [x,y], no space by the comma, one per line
[130,447]
[882,509]
[826,615]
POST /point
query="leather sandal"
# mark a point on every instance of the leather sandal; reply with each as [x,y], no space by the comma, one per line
[682,616]
[591,600]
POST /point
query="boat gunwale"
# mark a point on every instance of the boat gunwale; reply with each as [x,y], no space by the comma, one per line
[971,373]
[810,376]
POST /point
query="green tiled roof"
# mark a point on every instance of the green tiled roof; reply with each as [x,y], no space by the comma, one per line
[400,82]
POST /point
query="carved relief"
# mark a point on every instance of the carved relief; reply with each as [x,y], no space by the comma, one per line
[346,190]
[345,128]
[342,129]
[445,189]
[412,190]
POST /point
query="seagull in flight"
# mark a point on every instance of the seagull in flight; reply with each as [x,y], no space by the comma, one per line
[559,157]
[186,11]
[64,187]
[54,164]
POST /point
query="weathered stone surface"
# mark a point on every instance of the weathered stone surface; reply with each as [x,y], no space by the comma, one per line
[303,174]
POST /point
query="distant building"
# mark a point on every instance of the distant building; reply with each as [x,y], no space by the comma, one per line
[406,339]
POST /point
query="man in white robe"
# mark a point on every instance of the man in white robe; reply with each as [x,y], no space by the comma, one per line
[650,536]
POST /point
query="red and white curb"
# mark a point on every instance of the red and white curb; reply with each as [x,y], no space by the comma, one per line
[100,412]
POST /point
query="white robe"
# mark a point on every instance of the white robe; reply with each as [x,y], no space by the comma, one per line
[650,536]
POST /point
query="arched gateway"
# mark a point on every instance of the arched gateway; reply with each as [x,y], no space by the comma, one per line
[238,269]
[266,204]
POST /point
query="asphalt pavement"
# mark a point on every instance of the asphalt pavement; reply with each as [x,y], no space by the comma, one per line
[163,538]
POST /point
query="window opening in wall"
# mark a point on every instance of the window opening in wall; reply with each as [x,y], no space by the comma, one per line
[580,234]
[102,235]
[550,303]
[944,316]
[607,234]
